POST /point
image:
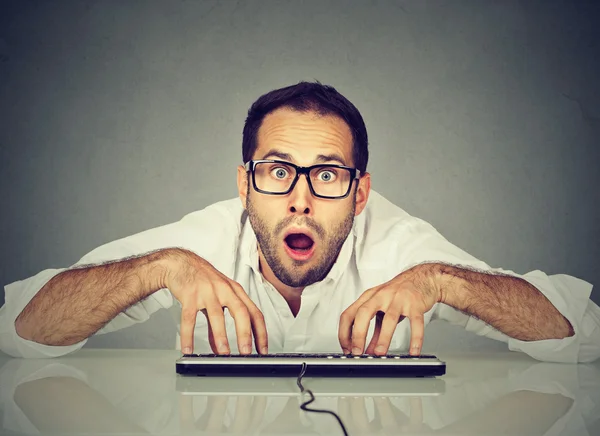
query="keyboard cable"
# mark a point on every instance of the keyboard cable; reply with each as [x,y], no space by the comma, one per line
[304,406]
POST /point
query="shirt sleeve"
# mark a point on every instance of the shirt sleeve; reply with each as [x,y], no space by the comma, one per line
[419,242]
[210,233]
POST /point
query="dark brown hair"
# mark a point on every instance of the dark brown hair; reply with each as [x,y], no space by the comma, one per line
[308,97]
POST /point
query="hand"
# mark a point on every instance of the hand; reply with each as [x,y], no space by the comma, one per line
[248,414]
[198,286]
[408,295]
[388,419]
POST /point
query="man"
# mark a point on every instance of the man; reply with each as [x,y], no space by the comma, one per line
[311,260]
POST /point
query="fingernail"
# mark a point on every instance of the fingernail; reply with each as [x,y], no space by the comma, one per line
[356,350]
[246,349]
[264,350]
[222,347]
[345,351]
[380,349]
[187,350]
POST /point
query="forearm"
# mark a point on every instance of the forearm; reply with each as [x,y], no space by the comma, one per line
[509,304]
[77,303]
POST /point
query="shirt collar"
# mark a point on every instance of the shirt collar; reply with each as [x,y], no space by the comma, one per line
[249,248]
[249,245]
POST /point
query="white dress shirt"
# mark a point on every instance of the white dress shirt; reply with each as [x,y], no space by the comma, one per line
[384,241]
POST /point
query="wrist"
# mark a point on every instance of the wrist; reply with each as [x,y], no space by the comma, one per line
[426,276]
[438,279]
[453,283]
[176,263]
[154,271]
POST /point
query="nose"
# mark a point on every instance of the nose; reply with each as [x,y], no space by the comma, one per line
[301,197]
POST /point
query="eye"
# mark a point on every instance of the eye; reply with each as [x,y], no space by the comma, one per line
[326,176]
[279,173]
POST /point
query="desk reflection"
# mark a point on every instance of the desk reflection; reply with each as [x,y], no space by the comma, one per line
[123,392]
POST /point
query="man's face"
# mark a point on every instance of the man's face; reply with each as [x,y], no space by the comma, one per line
[299,235]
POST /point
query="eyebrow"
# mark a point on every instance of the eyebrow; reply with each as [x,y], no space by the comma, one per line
[321,158]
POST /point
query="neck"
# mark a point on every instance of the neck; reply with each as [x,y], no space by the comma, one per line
[291,295]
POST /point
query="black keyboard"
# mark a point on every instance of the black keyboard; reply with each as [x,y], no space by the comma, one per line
[317,365]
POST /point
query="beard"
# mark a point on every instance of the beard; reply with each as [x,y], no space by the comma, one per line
[330,247]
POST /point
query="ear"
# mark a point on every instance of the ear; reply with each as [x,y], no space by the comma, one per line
[242,184]
[362,194]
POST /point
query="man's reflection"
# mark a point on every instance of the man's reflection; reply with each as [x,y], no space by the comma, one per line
[520,412]
[250,411]
[63,405]
[53,397]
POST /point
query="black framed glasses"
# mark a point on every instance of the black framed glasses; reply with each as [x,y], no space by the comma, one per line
[277,177]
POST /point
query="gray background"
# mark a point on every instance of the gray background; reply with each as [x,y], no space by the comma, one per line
[119,116]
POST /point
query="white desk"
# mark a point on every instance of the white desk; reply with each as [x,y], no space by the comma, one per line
[138,392]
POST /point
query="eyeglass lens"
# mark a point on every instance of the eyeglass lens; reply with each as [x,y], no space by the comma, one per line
[276,177]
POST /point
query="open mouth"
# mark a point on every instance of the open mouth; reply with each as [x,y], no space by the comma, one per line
[299,246]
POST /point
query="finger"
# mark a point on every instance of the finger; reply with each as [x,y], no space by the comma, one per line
[347,319]
[259,327]
[188,323]
[345,327]
[386,415]
[211,339]
[345,330]
[417,331]
[259,330]
[343,408]
[216,319]
[416,412]
[242,415]
[360,417]
[186,413]
[364,315]
[216,408]
[243,329]
[259,407]
[371,348]
[388,327]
